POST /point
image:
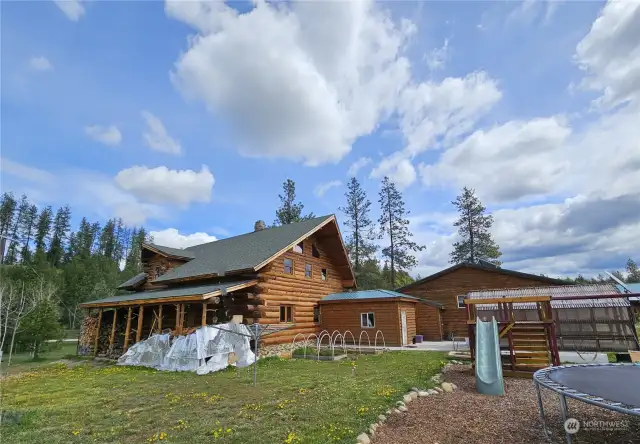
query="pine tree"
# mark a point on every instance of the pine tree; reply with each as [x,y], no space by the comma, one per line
[27,226]
[60,233]
[633,272]
[360,241]
[43,232]
[395,226]
[107,243]
[8,206]
[473,227]
[290,211]
[14,243]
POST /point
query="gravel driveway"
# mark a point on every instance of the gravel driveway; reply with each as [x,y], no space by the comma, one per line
[465,416]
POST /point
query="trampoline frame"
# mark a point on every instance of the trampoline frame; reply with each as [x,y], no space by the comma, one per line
[543,378]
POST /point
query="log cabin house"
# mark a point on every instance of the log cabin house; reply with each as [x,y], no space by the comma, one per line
[449,287]
[272,275]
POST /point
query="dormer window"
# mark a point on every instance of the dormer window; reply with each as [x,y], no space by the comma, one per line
[314,251]
[299,248]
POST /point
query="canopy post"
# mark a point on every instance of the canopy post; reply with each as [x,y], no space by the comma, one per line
[160,319]
[140,319]
[113,328]
[127,330]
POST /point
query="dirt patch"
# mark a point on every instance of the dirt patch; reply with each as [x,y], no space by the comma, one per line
[465,416]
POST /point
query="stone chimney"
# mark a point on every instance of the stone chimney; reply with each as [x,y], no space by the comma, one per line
[259,226]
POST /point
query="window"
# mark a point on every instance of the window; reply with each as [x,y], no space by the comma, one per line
[314,251]
[286,313]
[367,320]
[299,248]
[158,271]
[461,301]
[316,314]
[324,274]
[288,266]
[307,270]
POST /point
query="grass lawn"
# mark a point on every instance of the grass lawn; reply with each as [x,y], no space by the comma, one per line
[296,401]
[22,362]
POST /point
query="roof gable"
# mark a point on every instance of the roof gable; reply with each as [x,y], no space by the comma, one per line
[487,268]
[247,252]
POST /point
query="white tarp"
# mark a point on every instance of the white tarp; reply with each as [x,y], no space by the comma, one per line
[204,351]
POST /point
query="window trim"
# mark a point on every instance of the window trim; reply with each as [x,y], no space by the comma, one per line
[310,270]
[367,314]
[284,266]
[458,301]
[290,307]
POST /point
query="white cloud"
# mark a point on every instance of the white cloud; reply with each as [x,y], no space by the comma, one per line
[507,162]
[93,193]
[398,168]
[437,58]
[433,111]
[358,165]
[610,54]
[73,9]
[40,63]
[25,172]
[322,188]
[171,237]
[164,186]
[287,87]
[156,136]
[108,135]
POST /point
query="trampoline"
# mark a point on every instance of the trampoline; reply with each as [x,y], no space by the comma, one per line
[610,386]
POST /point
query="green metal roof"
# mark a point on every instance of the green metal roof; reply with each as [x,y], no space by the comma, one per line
[169,293]
[173,251]
[242,252]
[375,294]
[366,294]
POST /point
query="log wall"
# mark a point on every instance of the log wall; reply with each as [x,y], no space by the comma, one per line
[446,288]
[157,261]
[344,316]
[428,322]
[278,288]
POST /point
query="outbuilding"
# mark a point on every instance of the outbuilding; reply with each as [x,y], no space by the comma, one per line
[391,313]
[449,288]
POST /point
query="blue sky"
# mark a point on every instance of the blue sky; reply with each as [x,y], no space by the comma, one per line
[512,99]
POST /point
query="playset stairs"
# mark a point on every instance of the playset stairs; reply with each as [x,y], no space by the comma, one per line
[530,347]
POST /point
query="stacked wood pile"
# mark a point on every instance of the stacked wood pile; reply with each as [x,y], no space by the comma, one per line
[87,335]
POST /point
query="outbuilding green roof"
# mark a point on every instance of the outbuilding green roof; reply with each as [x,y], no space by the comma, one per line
[374,294]
[239,253]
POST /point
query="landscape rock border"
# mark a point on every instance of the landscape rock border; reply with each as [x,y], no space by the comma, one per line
[411,395]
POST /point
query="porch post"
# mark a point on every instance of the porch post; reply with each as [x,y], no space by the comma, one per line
[113,328]
[128,330]
[140,319]
[160,319]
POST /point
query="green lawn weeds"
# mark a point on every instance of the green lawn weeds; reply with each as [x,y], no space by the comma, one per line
[295,401]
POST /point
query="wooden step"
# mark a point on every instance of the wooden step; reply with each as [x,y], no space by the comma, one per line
[536,347]
[529,339]
[528,333]
[524,354]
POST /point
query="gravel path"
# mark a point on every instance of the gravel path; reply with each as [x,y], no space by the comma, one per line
[465,416]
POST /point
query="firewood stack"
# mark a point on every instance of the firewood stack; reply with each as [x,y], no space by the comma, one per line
[87,335]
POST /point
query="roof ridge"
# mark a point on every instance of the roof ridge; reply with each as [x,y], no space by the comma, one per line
[254,232]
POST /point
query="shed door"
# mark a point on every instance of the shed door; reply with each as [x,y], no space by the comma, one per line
[403,323]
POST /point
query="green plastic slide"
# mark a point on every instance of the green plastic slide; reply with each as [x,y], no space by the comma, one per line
[489,380]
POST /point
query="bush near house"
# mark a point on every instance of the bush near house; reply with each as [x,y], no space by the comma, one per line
[295,401]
